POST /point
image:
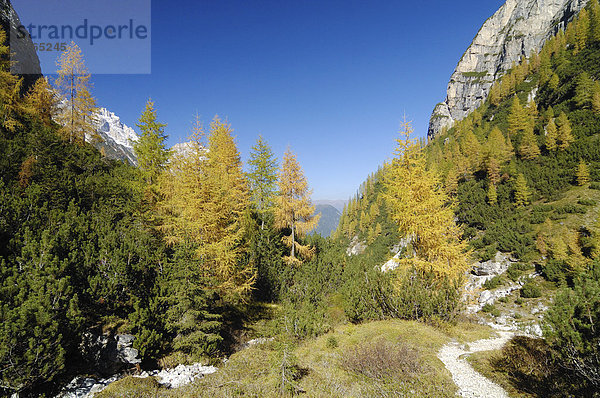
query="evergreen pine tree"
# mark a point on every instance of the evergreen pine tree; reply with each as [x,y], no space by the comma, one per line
[150,149]
[262,178]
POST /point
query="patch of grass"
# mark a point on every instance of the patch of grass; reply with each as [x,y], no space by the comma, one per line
[332,342]
[382,360]
[131,387]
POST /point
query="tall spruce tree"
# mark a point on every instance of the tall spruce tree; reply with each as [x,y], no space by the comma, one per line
[263,179]
[150,149]
[294,210]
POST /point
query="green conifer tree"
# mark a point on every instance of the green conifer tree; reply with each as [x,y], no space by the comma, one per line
[263,179]
[150,150]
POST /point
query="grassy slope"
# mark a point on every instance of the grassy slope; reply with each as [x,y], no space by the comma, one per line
[256,371]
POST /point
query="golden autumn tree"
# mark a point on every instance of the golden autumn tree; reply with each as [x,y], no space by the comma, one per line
[529,148]
[497,151]
[294,209]
[41,101]
[565,132]
[421,209]
[582,173]
[10,88]
[517,118]
[73,85]
[551,135]
[492,194]
[205,201]
[522,193]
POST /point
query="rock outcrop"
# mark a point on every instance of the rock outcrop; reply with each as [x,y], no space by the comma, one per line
[108,355]
[26,61]
[516,29]
[116,138]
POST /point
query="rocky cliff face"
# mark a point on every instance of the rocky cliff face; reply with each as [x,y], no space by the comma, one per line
[116,138]
[27,62]
[517,28]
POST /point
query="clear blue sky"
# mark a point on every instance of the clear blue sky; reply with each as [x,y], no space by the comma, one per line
[332,79]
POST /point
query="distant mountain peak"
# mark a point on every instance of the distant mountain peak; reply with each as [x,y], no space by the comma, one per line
[116,137]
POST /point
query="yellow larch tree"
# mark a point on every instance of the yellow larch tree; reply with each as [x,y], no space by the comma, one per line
[10,88]
[565,132]
[73,85]
[294,209]
[422,209]
[582,173]
[522,193]
[206,199]
[41,101]
[551,135]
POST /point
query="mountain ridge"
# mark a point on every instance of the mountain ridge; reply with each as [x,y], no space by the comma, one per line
[512,33]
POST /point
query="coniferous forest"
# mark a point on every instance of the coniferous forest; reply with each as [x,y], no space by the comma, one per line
[195,253]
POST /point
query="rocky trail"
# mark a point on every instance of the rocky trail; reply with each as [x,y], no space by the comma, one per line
[470,383]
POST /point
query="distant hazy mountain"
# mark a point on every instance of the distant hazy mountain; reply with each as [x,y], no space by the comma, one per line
[338,204]
[330,217]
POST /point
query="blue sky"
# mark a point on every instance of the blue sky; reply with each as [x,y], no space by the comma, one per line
[331,79]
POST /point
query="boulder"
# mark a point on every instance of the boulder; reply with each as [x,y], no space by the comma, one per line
[108,355]
[496,266]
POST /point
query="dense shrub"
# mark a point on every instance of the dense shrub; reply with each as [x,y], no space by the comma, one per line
[531,289]
[530,367]
[572,327]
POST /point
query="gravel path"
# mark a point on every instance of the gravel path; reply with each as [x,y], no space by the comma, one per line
[470,383]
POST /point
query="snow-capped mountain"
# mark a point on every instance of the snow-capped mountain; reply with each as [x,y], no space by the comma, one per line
[116,138]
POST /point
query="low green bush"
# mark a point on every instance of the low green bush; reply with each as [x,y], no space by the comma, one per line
[531,290]
[493,282]
[587,202]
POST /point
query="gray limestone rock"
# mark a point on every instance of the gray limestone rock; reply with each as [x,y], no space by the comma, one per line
[516,29]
